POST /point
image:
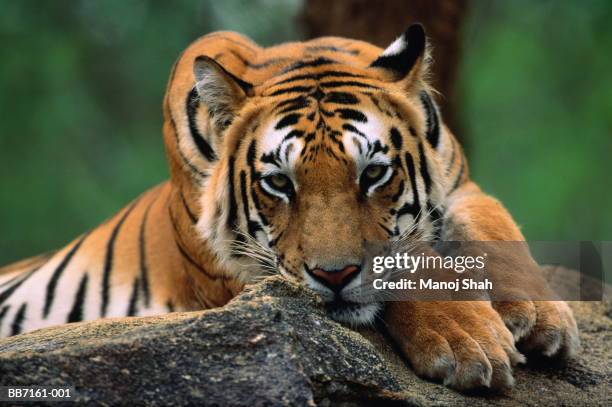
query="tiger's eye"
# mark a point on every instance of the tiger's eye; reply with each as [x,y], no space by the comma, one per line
[279,181]
[374,171]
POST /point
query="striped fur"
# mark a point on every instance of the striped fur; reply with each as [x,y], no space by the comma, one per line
[319,112]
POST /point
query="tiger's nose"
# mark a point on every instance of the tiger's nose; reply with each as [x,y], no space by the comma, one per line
[336,279]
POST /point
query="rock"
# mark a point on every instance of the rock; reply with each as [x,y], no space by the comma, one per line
[273,345]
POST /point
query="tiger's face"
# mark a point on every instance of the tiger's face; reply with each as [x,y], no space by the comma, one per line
[318,164]
[324,181]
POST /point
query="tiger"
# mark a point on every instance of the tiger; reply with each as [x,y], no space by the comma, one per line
[285,160]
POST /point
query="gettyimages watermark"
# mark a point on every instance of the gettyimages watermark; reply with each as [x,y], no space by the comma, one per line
[494,271]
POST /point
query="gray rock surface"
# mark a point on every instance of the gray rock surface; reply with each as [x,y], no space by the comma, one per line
[273,345]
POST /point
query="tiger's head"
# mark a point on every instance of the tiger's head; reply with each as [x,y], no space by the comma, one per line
[301,171]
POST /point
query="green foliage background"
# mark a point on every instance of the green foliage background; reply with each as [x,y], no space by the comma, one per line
[81,84]
[536,103]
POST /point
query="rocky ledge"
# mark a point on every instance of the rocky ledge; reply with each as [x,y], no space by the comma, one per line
[273,345]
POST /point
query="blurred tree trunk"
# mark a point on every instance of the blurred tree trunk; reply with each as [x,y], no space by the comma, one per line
[380,22]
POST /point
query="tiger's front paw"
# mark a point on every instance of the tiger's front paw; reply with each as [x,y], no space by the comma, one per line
[464,344]
[545,327]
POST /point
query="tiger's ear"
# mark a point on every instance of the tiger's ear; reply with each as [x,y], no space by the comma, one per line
[405,60]
[221,92]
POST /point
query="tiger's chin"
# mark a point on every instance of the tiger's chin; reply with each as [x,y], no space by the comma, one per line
[353,313]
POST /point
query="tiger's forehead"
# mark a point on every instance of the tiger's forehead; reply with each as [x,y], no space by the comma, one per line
[336,126]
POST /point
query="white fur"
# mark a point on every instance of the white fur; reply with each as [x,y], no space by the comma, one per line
[396,47]
[364,315]
[214,233]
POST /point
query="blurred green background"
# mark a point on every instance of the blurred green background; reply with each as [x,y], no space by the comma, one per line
[81,84]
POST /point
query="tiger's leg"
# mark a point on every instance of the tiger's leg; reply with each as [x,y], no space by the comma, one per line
[464,344]
[546,327]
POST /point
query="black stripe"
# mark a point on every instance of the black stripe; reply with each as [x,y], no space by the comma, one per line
[183,251]
[460,175]
[413,182]
[293,104]
[414,207]
[270,158]
[337,84]
[274,241]
[253,174]
[133,307]
[192,217]
[316,77]
[108,262]
[290,135]
[255,199]
[251,153]
[76,313]
[341,98]
[7,293]
[144,270]
[52,284]
[308,64]
[232,216]
[433,125]
[18,321]
[252,226]
[299,100]
[396,138]
[191,261]
[288,120]
[376,147]
[424,169]
[243,195]
[192,104]
[352,114]
[386,229]
[194,170]
[408,208]
[291,89]
[353,129]
[3,312]
[399,193]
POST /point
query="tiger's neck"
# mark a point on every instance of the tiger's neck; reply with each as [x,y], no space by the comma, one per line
[205,285]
